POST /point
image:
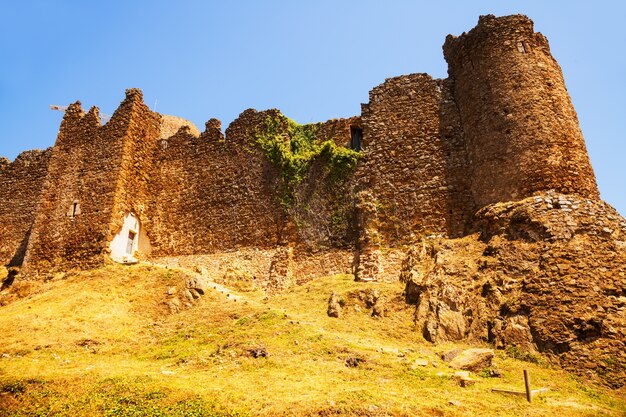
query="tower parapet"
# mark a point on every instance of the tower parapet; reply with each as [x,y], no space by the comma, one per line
[520,128]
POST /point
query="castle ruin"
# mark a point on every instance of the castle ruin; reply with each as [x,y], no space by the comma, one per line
[475,191]
[431,152]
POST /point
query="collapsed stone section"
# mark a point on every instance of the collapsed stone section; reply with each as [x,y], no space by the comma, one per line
[518,122]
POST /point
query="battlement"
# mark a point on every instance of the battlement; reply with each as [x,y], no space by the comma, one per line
[422,157]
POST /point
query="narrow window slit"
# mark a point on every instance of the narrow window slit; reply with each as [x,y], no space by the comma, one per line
[356,141]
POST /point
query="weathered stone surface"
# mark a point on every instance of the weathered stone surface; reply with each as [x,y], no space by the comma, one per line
[491,156]
[334,305]
[21,182]
[451,354]
[413,159]
[539,275]
[197,283]
[474,360]
[519,125]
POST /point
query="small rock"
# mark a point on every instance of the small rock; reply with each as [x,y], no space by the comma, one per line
[391,351]
[369,297]
[174,305]
[201,270]
[334,306]
[451,354]
[461,375]
[259,352]
[463,378]
[420,362]
[171,291]
[380,308]
[197,283]
[473,359]
[464,383]
[455,403]
[353,361]
[188,295]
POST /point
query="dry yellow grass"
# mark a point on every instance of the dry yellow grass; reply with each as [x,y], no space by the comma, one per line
[103,343]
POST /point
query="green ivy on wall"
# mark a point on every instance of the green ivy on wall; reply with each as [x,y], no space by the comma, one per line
[293,153]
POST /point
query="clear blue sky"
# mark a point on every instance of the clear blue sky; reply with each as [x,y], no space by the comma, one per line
[314,60]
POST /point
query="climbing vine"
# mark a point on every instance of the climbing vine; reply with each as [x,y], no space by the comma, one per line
[292,153]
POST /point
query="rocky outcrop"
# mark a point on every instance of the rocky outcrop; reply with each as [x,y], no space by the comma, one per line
[545,274]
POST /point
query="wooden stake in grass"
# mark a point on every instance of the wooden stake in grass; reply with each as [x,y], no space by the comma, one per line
[527,385]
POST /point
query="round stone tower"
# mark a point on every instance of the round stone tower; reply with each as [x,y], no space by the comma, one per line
[521,130]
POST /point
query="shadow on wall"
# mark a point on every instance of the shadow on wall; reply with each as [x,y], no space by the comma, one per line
[18,258]
[460,205]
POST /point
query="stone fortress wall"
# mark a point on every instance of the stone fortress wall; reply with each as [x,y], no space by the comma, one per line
[501,127]
[212,193]
[21,182]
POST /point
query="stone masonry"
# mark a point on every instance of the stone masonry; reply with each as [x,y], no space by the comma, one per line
[500,127]
[484,175]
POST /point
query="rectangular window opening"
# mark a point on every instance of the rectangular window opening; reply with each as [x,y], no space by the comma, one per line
[356,141]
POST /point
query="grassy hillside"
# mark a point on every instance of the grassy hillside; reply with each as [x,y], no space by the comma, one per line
[103,342]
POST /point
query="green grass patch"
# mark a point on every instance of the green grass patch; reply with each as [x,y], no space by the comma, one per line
[198,362]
